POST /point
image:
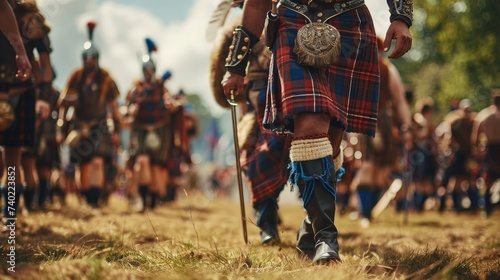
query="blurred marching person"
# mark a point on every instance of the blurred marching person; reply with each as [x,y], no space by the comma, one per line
[313,94]
[19,102]
[487,141]
[381,152]
[185,128]
[45,156]
[462,165]
[93,94]
[37,172]
[151,106]
[422,156]
[264,155]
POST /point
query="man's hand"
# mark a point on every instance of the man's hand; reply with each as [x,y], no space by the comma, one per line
[168,102]
[24,68]
[43,108]
[398,30]
[233,82]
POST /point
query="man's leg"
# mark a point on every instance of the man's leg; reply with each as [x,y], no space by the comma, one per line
[28,162]
[142,172]
[313,170]
[13,183]
[92,178]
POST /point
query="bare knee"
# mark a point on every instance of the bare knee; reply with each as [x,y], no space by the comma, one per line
[308,124]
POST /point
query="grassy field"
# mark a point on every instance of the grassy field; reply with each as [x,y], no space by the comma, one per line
[196,238]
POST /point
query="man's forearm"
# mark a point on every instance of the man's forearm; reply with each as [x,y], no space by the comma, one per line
[254,15]
[401,10]
[8,25]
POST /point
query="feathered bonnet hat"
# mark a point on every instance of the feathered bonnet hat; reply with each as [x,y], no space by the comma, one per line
[89,49]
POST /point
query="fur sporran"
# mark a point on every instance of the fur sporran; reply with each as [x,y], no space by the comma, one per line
[7,115]
[317,45]
[152,141]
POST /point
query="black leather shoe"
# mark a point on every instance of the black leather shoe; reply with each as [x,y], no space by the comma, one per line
[269,234]
[319,202]
[325,254]
[305,239]
[267,222]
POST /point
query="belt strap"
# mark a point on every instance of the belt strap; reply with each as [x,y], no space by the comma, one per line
[324,14]
[150,127]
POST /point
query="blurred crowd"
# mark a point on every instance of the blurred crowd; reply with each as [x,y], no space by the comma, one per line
[84,138]
[450,164]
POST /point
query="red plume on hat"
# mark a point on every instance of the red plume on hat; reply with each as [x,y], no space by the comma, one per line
[89,49]
[90,27]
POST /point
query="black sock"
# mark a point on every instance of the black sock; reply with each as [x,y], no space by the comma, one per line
[29,193]
[10,206]
[42,191]
[153,200]
[93,195]
[144,191]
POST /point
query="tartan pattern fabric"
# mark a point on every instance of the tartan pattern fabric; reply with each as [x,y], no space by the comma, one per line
[98,144]
[347,91]
[265,164]
[150,104]
[158,157]
[22,130]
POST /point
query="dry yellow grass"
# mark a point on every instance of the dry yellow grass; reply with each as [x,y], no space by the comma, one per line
[200,239]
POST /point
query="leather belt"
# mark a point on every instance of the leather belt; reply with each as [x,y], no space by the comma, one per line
[150,127]
[307,2]
[324,11]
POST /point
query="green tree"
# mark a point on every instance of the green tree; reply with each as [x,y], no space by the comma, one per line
[456,51]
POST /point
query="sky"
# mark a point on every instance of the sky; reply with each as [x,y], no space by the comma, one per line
[177,26]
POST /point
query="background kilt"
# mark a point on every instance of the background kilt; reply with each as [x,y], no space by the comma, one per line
[265,164]
[159,157]
[98,144]
[22,130]
[348,91]
[383,148]
[48,156]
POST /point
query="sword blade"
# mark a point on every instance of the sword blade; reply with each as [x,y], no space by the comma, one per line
[238,170]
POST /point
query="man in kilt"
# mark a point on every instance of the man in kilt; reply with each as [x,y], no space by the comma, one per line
[19,101]
[185,129]
[93,94]
[489,139]
[151,106]
[382,152]
[37,174]
[264,154]
[317,90]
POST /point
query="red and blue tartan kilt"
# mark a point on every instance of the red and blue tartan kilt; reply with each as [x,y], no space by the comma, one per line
[348,90]
[265,165]
[22,131]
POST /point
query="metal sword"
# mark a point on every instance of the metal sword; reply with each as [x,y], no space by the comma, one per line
[238,165]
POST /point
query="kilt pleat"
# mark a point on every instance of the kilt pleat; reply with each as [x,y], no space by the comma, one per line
[348,90]
[265,164]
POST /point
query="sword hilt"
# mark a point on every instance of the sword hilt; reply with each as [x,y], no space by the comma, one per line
[231,99]
[274,7]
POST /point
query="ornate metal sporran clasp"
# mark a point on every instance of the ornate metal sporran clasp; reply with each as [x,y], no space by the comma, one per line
[317,45]
[152,141]
[7,115]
